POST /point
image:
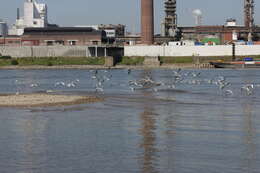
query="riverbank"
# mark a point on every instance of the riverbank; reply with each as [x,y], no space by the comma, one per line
[44,100]
[165,66]
[100,62]
[50,61]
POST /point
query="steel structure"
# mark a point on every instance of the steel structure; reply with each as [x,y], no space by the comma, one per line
[249,13]
[147,22]
[169,24]
[249,17]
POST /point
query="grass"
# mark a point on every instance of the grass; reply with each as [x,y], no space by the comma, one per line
[131,60]
[175,60]
[59,61]
[50,61]
[190,59]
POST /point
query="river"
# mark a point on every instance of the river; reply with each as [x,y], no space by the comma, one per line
[190,121]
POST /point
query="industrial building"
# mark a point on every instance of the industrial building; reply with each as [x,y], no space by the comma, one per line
[35,15]
[169,24]
[34,29]
[225,34]
[62,36]
[10,41]
[3,28]
[220,34]
[56,36]
[112,31]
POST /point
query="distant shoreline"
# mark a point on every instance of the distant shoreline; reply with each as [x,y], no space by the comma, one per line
[165,66]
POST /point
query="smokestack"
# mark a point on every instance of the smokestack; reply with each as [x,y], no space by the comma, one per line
[18,14]
[147,22]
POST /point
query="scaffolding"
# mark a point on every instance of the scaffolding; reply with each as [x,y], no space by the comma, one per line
[249,17]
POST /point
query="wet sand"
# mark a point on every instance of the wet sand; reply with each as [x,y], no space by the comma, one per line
[44,100]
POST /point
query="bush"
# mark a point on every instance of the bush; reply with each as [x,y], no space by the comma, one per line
[175,60]
[49,64]
[14,62]
[5,57]
[132,60]
[53,61]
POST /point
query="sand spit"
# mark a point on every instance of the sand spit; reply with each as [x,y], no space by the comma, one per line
[44,100]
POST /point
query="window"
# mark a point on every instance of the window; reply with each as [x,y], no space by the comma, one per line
[72,42]
[59,42]
[95,42]
[49,43]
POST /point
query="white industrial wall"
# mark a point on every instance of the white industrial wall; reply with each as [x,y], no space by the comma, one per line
[56,51]
[248,50]
[49,51]
[221,50]
[44,51]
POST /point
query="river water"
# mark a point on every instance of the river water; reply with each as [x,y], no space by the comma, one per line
[197,125]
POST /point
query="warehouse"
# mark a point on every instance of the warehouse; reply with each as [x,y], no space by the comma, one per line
[62,36]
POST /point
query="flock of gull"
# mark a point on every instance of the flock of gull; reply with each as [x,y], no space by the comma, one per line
[176,79]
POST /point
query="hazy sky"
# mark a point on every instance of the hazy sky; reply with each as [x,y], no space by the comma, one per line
[87,12]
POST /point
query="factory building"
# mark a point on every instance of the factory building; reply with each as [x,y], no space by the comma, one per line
[35,15]
[56,36]
[112,31]
[70,36]
[10,41]
[3,28]
[219,34]
[34,30]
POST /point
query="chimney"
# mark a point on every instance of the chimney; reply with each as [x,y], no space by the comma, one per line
[147,22]
[18,14]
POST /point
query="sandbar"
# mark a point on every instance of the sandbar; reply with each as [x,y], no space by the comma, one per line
[44,100]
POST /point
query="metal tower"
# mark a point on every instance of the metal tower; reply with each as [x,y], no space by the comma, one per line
[169,24]
[249,17]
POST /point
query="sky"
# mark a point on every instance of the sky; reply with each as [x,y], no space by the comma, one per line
[88,12]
